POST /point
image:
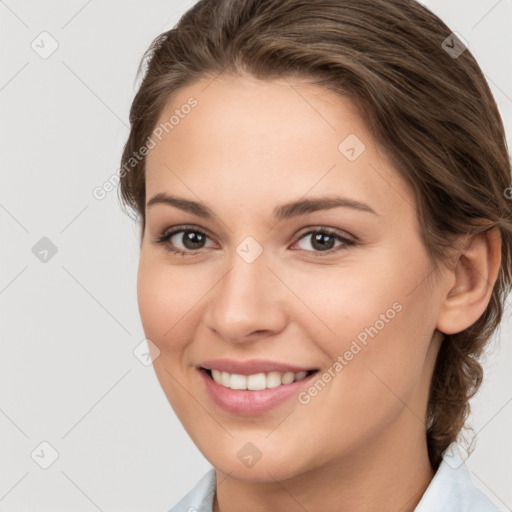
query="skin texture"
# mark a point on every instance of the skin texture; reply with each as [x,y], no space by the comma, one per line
[246,148]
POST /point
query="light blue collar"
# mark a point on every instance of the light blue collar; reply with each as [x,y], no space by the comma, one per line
[451,490]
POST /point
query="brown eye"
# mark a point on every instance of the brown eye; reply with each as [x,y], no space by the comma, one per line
[192,240]
[185,241]
[324,240]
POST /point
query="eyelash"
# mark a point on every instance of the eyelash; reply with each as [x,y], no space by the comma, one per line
[166,236]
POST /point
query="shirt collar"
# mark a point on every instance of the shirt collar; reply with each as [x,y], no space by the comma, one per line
[451,489]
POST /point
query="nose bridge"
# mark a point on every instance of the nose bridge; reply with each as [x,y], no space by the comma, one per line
[247,299]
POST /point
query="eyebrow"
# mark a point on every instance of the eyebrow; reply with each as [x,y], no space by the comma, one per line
[284,211]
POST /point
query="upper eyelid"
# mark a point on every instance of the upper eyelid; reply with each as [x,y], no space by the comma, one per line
[303,232]
[178,229]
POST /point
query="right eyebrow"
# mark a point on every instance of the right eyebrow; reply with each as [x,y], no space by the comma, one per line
[193,207]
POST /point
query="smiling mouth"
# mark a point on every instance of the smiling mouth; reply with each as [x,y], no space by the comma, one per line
[257,381]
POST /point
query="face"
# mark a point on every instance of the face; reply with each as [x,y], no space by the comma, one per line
[342,290]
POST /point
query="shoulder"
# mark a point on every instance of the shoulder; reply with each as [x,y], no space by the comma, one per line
[200,497]
[452,488]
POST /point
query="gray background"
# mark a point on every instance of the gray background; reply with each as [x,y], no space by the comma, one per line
[69,325]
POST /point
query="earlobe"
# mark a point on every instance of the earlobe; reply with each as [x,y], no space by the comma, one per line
[474,276]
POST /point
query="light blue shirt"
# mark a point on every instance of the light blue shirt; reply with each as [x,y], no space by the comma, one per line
[451,490]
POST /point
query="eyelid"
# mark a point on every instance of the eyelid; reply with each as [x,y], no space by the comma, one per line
[347,240]
[167,234]
[304,231]
[184,227]
[323,228]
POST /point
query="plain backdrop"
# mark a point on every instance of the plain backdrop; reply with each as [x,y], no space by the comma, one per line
[70,323]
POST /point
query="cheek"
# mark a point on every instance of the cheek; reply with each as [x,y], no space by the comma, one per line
[344,303]
[166,298]
[370,322]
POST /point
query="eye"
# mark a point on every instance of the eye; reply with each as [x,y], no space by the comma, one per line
[323,240]
[191,239]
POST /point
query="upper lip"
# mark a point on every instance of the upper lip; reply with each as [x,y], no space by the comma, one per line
[252,366]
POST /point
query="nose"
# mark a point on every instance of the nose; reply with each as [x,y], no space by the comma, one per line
[248,303]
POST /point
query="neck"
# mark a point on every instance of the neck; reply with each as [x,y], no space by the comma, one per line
[386,477]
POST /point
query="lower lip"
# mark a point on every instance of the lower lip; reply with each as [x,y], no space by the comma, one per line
[250,403]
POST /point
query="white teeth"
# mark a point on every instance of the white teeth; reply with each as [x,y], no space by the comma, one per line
[288,378]
[257,381]
[238,381]
[273,379]
[226,379]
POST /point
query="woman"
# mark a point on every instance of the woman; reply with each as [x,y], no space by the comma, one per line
[325,249]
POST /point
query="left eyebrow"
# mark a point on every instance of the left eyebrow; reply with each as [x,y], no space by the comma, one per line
[284,211]
[303,206]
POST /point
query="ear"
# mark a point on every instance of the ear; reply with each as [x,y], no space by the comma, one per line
[473,277]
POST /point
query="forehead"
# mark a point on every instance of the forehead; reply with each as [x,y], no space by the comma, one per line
[273,140]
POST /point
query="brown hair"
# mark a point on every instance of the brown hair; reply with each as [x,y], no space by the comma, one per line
[429,109]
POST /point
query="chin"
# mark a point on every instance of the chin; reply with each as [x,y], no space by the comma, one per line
[258,462]
[268,471]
